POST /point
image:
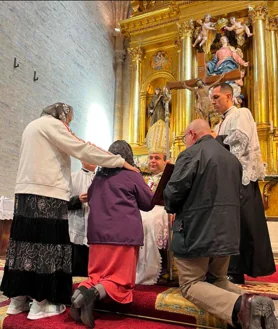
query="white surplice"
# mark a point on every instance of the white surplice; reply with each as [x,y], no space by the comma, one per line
[242,138]
[78,219]
[155,225]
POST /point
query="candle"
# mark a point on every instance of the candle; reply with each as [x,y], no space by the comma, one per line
[271,126]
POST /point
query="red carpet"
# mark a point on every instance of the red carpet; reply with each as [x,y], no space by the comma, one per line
[144,304]
[103,321]
[270,278]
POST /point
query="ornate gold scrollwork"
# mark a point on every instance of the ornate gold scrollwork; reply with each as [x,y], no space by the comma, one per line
[272,23]
[185,29]
[259,12]
[267,191]
[136,53]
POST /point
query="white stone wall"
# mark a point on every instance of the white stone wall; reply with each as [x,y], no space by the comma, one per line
[70,45]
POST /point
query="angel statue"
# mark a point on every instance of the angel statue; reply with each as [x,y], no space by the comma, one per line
[238,97]
[203,104]
[226,59]
[206,33]
[240,31]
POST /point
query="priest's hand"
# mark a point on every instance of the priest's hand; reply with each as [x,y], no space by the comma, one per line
[130,167]
[83,197]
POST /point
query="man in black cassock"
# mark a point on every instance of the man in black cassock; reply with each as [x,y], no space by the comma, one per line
[238,132]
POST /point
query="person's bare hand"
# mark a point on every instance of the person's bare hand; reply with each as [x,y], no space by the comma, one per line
[172,218]
[83,197]
[130,167]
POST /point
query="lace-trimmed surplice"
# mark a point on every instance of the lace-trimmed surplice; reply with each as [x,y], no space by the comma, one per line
[243,141]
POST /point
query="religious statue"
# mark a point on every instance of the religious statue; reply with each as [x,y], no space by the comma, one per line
[226,59]
[203,104]
[205,35]
[156,107]
[236,85]
[240,31]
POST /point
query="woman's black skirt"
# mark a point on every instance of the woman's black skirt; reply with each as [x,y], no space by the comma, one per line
[39,255]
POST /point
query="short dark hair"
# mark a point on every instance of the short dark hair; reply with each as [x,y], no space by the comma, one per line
[225,87]
[164,155]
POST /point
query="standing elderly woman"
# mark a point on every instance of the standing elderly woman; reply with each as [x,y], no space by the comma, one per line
[38,263]
[115,232]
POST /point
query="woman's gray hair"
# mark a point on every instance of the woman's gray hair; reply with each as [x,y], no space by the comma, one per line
[59,111]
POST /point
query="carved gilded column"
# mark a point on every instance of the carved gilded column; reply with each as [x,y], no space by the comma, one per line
[258,16]
[184,97]
[142,118]
[273,69]
[136,57]
[118,110]
[272,27]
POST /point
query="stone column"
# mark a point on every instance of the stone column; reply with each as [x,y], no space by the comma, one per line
[184,97]
[134,107]
[118,110]
[258,16]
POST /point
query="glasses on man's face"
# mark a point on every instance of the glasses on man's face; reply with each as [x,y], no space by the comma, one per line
[184,137]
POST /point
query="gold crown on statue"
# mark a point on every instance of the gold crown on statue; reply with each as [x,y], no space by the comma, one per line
[156,138]
[221,23]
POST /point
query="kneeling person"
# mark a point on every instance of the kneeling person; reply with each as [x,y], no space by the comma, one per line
[115,233]
[204,191]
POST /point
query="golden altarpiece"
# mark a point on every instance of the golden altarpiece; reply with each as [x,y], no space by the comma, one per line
[161,35]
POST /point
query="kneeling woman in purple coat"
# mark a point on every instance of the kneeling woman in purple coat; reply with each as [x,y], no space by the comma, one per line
[115,233]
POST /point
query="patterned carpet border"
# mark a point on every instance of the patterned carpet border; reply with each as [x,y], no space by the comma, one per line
[3,313]
[2,264]
[172,301]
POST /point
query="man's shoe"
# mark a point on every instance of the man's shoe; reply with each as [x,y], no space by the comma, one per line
[236,278]
[253,308]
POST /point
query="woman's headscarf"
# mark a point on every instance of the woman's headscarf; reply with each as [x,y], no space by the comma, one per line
[60,111]
[118,147]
